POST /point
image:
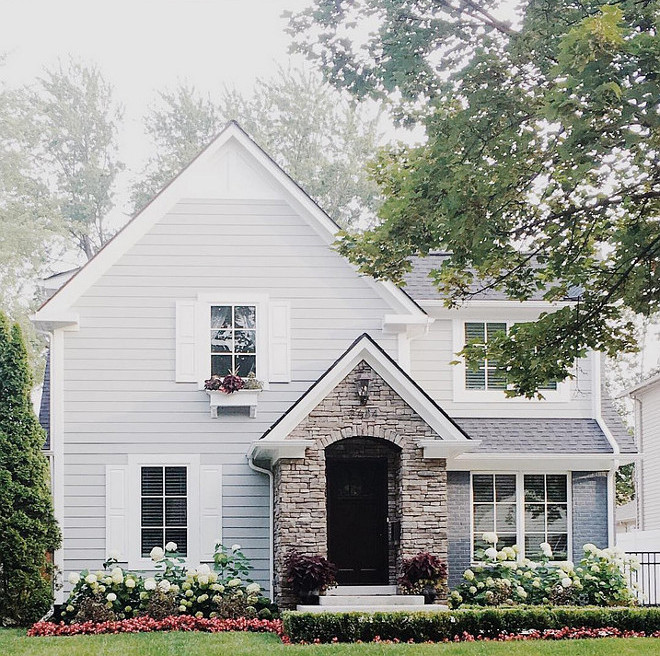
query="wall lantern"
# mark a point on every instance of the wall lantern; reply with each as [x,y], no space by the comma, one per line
[362,388]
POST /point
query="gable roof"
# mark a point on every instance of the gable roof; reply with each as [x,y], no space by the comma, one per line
[365,348]
[57,309]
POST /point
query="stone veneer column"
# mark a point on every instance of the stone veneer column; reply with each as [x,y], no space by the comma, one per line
[300,485]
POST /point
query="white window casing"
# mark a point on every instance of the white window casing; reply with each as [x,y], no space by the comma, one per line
[123,491]
[273,362]
[463,395]
[520,508]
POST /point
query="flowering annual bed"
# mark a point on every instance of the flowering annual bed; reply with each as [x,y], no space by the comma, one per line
[148,624]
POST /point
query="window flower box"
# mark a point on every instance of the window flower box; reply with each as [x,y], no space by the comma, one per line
[232,391]
[245,398]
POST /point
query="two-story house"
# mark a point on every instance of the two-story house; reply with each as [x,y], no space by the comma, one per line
[364,444]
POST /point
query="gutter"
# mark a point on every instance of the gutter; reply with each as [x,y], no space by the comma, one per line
[271,536]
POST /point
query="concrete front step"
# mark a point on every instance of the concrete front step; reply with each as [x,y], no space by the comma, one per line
[371,600]
[352,590]
[375,608]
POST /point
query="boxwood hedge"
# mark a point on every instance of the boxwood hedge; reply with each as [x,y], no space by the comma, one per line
[439,626]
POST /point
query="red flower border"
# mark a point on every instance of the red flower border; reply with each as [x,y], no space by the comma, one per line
[190,623]
[147,624]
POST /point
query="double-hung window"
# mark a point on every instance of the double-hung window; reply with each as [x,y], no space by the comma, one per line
[483,375]
[546,514]
[495,508]
[522,509]
[163,508]
[233,340]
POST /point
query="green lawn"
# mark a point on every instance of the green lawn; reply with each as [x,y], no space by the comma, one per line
[15,643]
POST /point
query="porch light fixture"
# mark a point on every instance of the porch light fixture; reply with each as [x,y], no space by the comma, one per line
[362,388]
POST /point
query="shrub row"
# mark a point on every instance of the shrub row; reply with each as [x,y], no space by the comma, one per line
[454,625]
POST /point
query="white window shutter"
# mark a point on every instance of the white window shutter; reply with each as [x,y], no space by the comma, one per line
[185,342]
[279,333]
[210,511]
[116,510]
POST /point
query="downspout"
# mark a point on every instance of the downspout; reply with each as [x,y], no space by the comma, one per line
[639,467]
[271,536]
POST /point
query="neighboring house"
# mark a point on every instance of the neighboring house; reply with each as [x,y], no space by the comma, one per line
[364,445]
[646,398]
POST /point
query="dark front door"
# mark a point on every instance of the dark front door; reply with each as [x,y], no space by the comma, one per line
[357,520]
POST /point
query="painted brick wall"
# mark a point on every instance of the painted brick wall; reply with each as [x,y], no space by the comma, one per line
[458,524]
[589,511]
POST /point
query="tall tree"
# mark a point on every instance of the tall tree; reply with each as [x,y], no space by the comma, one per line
[28,218]
[318,137]
[541,168]
[77,119]
[28,530]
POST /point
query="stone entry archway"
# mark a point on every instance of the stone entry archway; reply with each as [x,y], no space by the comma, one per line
[300,505]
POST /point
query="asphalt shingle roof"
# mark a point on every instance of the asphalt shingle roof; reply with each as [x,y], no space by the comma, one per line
[536,435]
[615,425]
[421,288]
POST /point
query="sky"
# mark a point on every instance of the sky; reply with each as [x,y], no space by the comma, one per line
[146,45]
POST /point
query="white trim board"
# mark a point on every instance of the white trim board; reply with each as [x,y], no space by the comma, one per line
[57,308]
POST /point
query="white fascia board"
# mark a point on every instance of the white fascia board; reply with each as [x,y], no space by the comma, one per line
[274,450]
[538,462]
[135,229]
[503,304]
[365,350]
[447,448]
[402,321]
[49,322]
[631,391]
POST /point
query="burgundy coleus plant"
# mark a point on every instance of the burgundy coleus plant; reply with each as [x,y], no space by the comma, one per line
[228,384]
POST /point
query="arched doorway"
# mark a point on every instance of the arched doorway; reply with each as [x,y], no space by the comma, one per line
[362,475]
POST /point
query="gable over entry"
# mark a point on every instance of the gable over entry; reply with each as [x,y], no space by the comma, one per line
[383,451]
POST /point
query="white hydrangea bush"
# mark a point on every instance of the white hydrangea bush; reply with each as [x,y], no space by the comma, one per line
[504,578]
[225,590]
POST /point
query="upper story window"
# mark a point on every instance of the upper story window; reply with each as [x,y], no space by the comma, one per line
[233,339]
[164,508]
[484,375]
